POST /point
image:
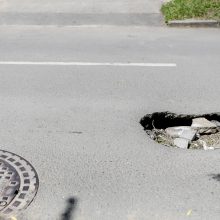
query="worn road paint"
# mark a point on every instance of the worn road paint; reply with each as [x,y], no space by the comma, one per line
[54,63]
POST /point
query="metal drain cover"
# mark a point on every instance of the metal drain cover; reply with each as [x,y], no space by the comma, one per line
[18,183]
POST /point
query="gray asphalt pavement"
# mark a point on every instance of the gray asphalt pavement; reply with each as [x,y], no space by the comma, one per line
[113,169]
[84,12]
[83,6]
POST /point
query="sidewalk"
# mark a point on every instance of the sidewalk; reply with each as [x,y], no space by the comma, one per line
[85,12]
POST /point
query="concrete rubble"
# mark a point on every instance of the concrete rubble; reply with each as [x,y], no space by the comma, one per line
[202,123]
[202,134]
[181,132]
[181,143]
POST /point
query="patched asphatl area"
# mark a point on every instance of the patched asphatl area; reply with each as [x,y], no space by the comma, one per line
[184,131]
[18,184]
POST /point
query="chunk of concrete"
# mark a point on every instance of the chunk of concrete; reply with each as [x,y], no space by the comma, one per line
[207,130]
[181,143]
[217,123]
[202,123]
[186,132]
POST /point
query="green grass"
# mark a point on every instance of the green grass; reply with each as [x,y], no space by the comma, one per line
[185,9]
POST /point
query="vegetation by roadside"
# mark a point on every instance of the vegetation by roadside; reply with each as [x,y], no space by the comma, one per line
[186,9]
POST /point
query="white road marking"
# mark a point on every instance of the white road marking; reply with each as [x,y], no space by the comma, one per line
[50,63]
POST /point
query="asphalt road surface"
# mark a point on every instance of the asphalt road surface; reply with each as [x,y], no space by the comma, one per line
[78,123]
[75,12]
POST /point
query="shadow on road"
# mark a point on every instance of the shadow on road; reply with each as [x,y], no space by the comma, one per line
[71,205]
[216,177]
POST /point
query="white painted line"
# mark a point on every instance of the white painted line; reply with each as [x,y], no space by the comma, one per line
[86,64]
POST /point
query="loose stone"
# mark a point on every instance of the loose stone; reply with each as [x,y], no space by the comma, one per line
[202,123]
[217,123]
[205,146]
[181,132]
[202,131]
[181,143]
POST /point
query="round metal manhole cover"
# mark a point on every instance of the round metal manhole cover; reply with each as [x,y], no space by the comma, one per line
[18,183]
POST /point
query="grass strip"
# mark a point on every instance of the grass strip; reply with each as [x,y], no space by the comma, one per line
[196,9]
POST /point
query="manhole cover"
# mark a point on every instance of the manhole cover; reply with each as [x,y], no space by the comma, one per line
[184,131]
[18,183]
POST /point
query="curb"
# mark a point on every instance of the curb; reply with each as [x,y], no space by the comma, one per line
[194,23]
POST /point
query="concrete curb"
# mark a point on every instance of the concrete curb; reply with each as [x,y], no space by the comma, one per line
[194,23]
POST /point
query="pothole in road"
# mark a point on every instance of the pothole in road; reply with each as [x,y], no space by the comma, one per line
[18,184]
[184,131]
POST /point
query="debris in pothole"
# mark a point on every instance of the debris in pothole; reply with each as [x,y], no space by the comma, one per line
[212,140]
[217,123]
[184,131]
[202,134]
[202,123]
[181,143]
[181,132]
[161,137]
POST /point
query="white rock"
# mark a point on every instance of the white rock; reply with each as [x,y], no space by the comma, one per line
[188,134]
[173,131]
[205,146]
[207,130]
[181,143]
[217,123]
[202,123]
[216,146]
[181,132]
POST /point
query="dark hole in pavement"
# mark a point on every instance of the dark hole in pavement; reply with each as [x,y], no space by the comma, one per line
[182,130]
